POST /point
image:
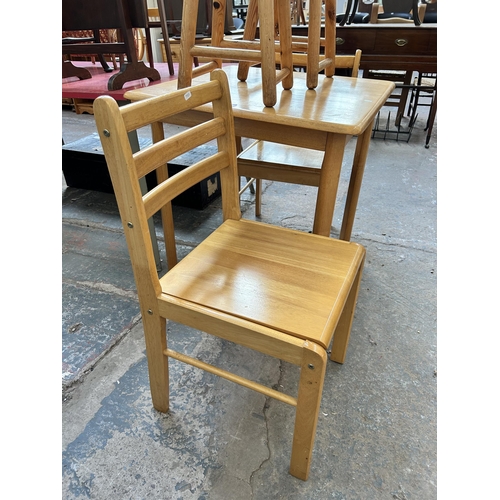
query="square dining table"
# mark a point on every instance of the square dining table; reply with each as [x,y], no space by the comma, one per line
[321,119]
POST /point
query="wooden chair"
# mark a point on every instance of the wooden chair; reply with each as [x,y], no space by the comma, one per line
[398,11]
[425,86]
[275,35]
[430,15]
[310,45]
[281,292]
[399,97]
[282,163]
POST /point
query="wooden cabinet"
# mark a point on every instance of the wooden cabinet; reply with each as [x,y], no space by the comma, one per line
[350,41]
[389,46]
[397,42]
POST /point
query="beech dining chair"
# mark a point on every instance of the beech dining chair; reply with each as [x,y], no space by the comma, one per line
[285,293]
[273,19]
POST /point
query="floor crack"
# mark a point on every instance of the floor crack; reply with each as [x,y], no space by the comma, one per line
[267,404]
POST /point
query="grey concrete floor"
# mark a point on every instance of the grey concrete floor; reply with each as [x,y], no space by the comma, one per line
[376,436]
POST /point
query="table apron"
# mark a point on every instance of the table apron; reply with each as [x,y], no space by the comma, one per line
[332,144]
[282,134]
[256,129]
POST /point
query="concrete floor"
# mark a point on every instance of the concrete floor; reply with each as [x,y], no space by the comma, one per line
[376,436]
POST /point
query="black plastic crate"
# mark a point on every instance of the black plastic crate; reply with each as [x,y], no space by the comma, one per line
[84,167]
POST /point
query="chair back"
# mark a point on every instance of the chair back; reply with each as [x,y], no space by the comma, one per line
[397,6]
[398,11]
[349,62]
[127,168]
[341,62]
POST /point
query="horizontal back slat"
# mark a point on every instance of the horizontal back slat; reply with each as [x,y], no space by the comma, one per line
[155,199]
[139,114]
[301,59]
[226,53]
[344,61]
[162,152]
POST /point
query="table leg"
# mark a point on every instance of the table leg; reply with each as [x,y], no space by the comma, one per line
[69,70]
[358,168]
[329,183]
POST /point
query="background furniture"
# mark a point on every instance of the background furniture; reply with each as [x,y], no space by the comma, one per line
[109,36]
[397,11]
[240,8]
[278,291]
[403,48]
[281,163]
[402,79]
[298,15]
[387,46]
[430,11]
[348,15]
[123,15]
[175,45]
[394,12]
[425,87]
[87,36]
[157,18]
[92,88]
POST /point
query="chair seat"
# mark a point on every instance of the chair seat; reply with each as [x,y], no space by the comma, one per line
[281,163]
[242,270]
[388,15]
[428,82]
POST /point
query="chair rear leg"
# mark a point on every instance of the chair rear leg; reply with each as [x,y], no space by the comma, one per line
[312,375]
[258,197]
[343,330]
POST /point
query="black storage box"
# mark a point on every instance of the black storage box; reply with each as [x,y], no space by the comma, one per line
[84,167]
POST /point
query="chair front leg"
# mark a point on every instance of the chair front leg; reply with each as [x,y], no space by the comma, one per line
[155,334]
[312,375]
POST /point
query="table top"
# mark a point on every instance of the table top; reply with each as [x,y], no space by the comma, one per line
[338,105]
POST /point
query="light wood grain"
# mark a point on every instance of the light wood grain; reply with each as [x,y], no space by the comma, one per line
[285,293]
[275,35]
[277,162]
[339,105]
[284,398]
[302,118]
[269,276]
[312,375]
